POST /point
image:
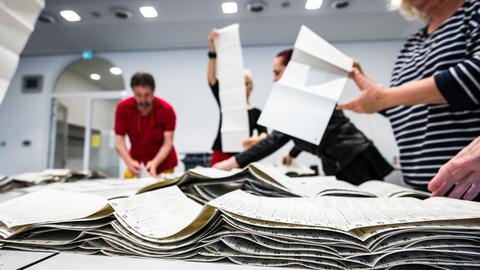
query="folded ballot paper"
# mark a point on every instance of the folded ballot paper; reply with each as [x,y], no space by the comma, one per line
[233,98]
[302,102]
[17,21]
[315,233]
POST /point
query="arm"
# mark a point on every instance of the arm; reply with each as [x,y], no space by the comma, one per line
[212,61]
[133,165]
[162,154]
[294,152]
[459,86]
[249,142]
[375,97]
[259,151]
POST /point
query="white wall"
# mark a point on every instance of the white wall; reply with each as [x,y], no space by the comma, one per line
[181,80]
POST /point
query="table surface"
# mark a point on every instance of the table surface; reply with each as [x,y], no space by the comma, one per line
[10,260]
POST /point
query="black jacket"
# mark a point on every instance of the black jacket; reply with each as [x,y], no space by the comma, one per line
[340,145]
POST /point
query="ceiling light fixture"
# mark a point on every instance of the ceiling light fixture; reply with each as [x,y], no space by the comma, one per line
[70,15]
[115,71]
[395,3]
[95,76]
[229,7]
[313,4]
[148,12]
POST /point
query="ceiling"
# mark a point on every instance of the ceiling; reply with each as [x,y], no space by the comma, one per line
[186,24]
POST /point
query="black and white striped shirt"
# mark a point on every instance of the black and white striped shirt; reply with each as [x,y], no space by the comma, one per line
[430,135]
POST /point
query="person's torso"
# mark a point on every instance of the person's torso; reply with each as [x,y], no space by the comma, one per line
[429,135]
[146,132]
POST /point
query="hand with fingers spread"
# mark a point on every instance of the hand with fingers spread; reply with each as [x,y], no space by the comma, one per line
[462,173]
[372,99]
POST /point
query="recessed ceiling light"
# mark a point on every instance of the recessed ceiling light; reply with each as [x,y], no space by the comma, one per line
[115,71]
[313,4]
[229,7]
[95,76]
[395,3]
[70,15]
[148,12]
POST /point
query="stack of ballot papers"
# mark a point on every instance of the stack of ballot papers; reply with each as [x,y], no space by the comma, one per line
[45,177]
[316,233]
[206,184]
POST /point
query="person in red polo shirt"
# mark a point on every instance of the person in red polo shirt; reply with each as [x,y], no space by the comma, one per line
[149,123]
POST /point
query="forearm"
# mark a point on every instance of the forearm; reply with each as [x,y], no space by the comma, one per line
[163,152]
[262,149]
[212,66]
[122,149]
[424,91]
[294,152]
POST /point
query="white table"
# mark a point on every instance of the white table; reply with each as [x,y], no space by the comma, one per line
[12,259]
[72,261]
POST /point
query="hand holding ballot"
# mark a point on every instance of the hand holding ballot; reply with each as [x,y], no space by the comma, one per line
[372,99]
[462,173]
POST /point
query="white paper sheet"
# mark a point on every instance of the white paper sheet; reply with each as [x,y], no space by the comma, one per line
[49,205]
[310,87]
[17,21]
[157,214]
[233,102]
[307,115]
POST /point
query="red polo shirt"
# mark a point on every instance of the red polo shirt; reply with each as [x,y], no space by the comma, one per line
[146,132]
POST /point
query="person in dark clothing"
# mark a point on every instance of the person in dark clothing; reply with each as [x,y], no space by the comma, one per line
[344,150]
[253,113]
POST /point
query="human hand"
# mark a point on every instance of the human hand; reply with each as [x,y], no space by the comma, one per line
[250,142]
[134,167]
[151,167]
[211,38]
[462,173]
[287,160]
[373,97]
[356,66]
[227,165]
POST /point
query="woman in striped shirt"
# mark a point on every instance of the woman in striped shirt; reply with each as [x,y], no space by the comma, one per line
[433,102]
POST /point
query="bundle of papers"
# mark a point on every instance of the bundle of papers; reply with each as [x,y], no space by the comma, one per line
[206,184]
[316,233]
[45,177]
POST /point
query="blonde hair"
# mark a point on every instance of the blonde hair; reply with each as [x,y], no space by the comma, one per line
[409,12]
[248,74]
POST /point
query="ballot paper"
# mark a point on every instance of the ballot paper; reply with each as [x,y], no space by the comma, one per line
[49,205]
[157,214]
[17,21]
[310,88]
[232,95]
